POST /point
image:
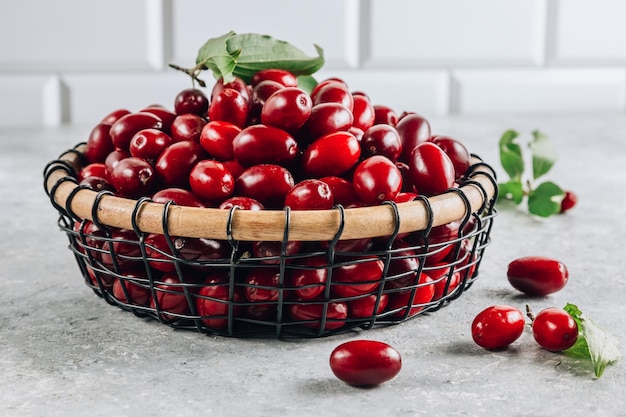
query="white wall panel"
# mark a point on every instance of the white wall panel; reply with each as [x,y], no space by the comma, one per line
[589,31]
[28,100]
[73,61]
[424,92]
[329,23]
[454,32]
[74,35]
[536,91]
[92,96]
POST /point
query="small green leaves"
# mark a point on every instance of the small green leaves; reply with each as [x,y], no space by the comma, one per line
[242,55]
[261,52]
[512,190]
[215,56]
[544,155]
[543,200]
[593,342]
[511,155]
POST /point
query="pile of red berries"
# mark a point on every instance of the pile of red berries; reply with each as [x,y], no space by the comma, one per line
[268,144]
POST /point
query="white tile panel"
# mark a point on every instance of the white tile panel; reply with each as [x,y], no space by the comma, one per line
[425,92]
[331,24]
[453,32]
[75,35]
[537,91]
[29,100]
[587,32]
[94,95]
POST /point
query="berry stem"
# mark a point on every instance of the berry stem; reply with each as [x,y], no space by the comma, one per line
[192,72]
[529,313]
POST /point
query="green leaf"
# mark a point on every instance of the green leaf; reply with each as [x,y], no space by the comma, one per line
[511,155]
[307,83]
[543,154]
[214,55]
[262,51]
[511,190]
[545,200]
[243,55]
[593,342]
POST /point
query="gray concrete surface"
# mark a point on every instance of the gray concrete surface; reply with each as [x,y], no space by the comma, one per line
[65,352]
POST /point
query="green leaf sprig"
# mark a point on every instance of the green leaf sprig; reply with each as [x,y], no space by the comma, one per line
[242,55]
[544,199]
[593,342]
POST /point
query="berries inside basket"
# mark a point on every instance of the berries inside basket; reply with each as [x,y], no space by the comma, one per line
[275,273]
[264,209]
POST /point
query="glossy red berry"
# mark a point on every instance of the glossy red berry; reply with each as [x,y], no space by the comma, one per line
[191,100]
[430,169]
[260,144]
[283,77]
[331,155]
[365,362]
[311,194]
[308,280]
[569,201]
[414,130]
[99,144]
[148,144]
[214,302]
[363,112]
[287,109]
[332,315]
[555,329]
[537,275]
[377,179]
[133,177]
[230,105]
[123,130]
[266,183]
[382,139]
[187,127]
[211,181]
[217,139]
[498,326]
[456,151]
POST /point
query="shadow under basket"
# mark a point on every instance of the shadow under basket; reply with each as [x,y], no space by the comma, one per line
[275,273]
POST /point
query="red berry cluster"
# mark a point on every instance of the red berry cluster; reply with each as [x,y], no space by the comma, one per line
[497,326]
[554,329]
[268,144]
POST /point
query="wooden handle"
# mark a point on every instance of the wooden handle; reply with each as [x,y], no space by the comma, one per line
[246,225]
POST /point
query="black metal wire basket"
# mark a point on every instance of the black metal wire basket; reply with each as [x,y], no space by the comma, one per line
[275,273]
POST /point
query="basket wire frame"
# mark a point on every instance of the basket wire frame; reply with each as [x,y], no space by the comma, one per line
[327,314]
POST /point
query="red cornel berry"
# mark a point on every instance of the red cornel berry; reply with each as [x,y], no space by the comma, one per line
[569,201]
[555,329]
[537,275]
[498,326]
[365,363]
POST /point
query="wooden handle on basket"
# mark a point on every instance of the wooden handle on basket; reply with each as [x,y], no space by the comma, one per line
[314,225]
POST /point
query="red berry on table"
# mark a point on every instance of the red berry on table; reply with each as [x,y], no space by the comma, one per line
[569,201]
[555,329]
[537,275]
[496,327]
[365,362]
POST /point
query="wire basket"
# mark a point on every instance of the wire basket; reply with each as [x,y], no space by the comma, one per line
[275,273]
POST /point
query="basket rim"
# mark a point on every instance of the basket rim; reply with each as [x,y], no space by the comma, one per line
[145,216]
